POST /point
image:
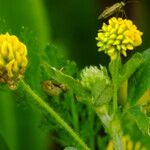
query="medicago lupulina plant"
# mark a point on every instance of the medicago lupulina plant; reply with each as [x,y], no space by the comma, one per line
[97,87]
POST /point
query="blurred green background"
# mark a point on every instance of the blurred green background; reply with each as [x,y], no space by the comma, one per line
[71,26]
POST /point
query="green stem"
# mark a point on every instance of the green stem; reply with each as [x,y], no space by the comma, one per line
[115,103]
[114,68]
[117,141]
[112,126]
[104,117]
[54,114]
[74,114]
[91,125]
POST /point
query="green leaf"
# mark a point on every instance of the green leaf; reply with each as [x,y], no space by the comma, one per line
[53,56]
[70,148]
[3,144]
[140,81]
[60,77]
[101,93]
[130,67]
[105,96]
[140,118]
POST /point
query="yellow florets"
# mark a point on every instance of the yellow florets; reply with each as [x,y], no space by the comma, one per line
[13,60]
[127,144]
[118,36]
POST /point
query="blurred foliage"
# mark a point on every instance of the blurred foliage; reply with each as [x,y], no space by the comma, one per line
[18,126]
[29,14]
[74,27]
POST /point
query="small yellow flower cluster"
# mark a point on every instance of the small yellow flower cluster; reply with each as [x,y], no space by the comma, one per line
[13,60]
[127,144]
[118,36]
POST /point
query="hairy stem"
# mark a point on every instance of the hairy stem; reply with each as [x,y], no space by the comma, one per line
[54,114]
[115,103]
[111,125]
[74,115]
[74,112]
[91,125]
[117,141]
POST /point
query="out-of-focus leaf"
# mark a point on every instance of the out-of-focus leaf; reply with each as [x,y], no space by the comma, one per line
[70,148]
[3,144]
[54,56]
[30,14]
[14,123]
[140,81]
[8,124]
[140,118]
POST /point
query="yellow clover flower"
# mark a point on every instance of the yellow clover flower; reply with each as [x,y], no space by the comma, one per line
[128,144]
[13,59]
[118,36]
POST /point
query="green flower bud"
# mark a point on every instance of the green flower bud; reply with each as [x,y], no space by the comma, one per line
[91,75]
[98,83]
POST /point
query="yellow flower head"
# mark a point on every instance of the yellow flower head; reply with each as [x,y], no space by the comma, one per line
[118,36]
[13,59]
[127,144]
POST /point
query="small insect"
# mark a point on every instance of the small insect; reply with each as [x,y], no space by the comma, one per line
[53,89]
[117,7]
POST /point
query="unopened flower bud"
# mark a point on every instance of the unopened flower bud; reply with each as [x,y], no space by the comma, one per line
[91,75]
